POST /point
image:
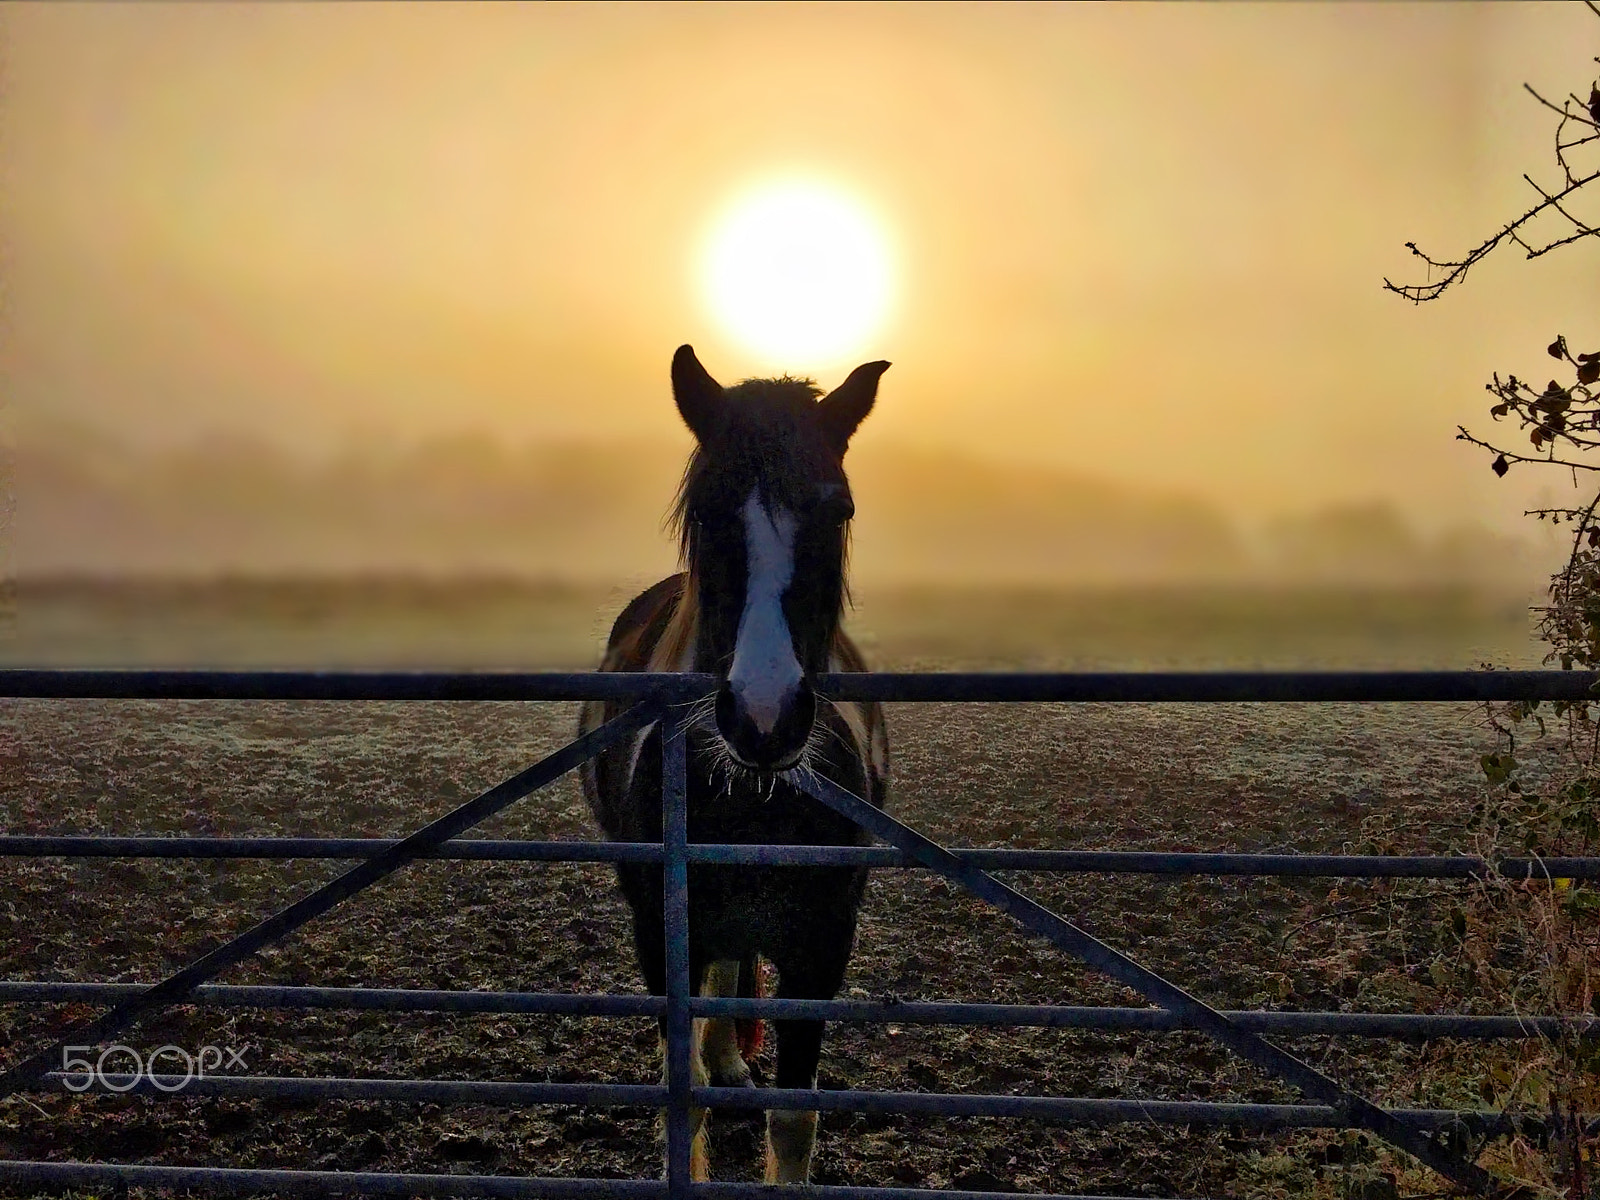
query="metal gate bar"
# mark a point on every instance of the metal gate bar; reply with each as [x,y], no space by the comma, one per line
[497,1094]
[675,898]
[510,1187]
[1249,1046]
[1415,1026]
[887,686]
[1109,862]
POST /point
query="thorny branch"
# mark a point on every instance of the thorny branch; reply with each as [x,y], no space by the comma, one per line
[1561,415]
[1579,126]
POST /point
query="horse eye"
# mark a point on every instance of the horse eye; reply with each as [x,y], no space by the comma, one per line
[708,520]
[833,504]
[836,510]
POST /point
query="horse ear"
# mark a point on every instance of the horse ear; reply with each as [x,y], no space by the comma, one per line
[698,395]
[848,404]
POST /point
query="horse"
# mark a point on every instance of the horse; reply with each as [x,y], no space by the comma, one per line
[762,517]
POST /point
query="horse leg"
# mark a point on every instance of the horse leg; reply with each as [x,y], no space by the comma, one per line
[650,942]
[815,974]
[720,1042]
[792,1133]
[699,1142]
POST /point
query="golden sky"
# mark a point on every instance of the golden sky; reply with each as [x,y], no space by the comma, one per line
[1142,241]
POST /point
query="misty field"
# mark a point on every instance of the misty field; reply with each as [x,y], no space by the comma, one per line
[1300,778]
[504,623]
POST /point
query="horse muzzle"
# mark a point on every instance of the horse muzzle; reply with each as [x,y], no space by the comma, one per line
[766,736]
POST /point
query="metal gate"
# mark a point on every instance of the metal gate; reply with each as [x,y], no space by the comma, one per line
[1440,1138]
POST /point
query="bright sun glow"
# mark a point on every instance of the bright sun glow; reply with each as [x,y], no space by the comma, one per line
[798,273]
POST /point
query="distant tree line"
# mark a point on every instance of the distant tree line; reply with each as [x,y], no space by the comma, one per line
[591,511]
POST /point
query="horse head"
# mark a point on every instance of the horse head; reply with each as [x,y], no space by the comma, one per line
[763,516]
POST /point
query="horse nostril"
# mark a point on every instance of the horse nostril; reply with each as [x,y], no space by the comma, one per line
[737,730]
[802,713]
[727,713]
[761,747]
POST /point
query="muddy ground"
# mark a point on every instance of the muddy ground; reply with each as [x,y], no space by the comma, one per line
[1218,778]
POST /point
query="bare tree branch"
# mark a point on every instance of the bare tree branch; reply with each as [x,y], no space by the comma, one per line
[1572,111]
[1457,270]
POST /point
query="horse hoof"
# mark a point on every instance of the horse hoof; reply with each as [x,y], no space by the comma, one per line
[718,1079]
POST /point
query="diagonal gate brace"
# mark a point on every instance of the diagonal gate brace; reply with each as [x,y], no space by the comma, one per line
[1255,1049]
[176,988]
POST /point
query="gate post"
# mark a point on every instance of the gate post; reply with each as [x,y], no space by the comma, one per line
[675,884]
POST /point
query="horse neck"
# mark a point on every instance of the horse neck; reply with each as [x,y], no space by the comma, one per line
[679,642]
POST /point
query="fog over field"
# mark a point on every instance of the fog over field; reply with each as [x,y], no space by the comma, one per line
[465,552]
[592,511]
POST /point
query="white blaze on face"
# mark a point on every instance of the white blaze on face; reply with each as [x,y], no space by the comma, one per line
[765,670]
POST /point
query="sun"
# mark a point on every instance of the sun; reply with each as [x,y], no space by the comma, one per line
[797,272]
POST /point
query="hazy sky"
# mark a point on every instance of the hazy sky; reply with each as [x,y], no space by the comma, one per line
[1143,241]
